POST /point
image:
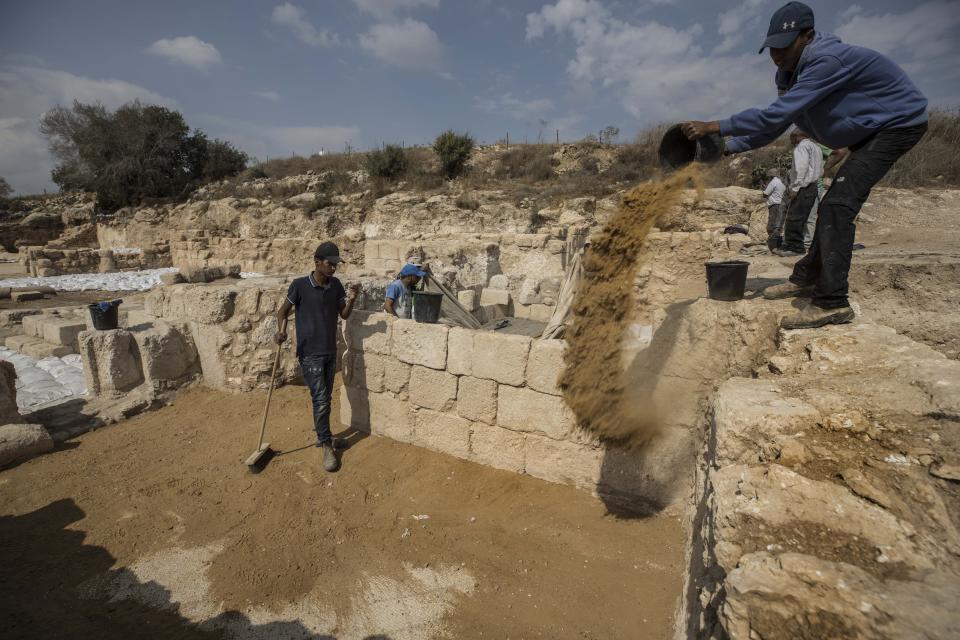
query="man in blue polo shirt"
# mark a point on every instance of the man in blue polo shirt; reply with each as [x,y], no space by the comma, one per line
[842,96]
[320,300]
[397,300]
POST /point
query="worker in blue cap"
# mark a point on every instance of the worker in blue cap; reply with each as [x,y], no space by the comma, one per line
[398,298]
[842,96]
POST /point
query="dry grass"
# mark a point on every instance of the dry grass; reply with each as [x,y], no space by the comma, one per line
[935,161]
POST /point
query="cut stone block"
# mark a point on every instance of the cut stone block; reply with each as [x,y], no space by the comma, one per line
[111,361]
[493,297]
[41,349]
[17,342]
[499,281]
[209,305]
[432,389]
[460,351]
[498,448]
[533,412]
[369,332]
[563,462]
[545,365]
[32,325]
[500,357]
[168,357]
[174,277]
[468,298]
[540,312]
[62,331]
[26,296]
[354,408]
[417,343]
[442,432]
[390,417]
[396,376]
[366,371]
[477,399]
[20,442]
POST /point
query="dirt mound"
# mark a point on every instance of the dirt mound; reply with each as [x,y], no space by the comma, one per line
[593,380]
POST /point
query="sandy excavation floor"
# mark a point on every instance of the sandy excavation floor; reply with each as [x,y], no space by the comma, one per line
[154,528]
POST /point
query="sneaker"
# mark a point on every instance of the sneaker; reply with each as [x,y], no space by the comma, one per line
[787,290]
[330,461]
[787,253]
[812,317]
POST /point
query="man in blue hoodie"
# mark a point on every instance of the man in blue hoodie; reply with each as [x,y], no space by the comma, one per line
[843,96]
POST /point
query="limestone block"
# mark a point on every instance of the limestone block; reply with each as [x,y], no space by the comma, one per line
[4,293]
[529,291]
[26,296]
[167,355]
[460,351]
[540,312]
[534,412]
[396,376]
[477,399]
[442,432]
[545,365]
[367,371]
[563,462]
[211,340]
[17,342]
[111,361]
[499,448]
[248,300]
[46,272]
[32,325]
[432,389]
[499,281]
[500,357]
[417,343]
[492,297]
[370,332]
[8,393]
[468,298]
[20,442]
[171,278]
[354,408]
[62,331]
[41,349]
[209,305]
[390,417]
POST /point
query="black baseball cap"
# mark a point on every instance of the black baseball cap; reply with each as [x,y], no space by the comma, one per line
[786,24]
[327,251]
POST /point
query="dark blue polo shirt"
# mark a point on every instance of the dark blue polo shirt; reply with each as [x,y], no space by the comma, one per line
[318,311]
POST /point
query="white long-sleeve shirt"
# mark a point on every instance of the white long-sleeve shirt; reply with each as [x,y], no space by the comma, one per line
[807,164]
[775,191]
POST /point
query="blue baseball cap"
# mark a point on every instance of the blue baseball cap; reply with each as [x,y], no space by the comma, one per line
[411,270]
[786,24]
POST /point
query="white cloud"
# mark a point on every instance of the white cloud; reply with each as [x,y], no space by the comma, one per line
[293,18]
[187,50]
[26,92]
[387,8]
[508,104]
[409,44]
[272,96]
[657,72]
[927,32]
[274,141]
[738,22]
[849,12]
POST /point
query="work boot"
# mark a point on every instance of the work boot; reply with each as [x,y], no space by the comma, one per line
[812,317]
[786,253]
[787,290]
[330,462]
[338,443]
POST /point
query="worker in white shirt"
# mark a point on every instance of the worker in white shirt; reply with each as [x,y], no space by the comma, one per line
[802,191]
[775,209]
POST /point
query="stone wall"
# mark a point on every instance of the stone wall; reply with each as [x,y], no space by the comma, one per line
[47,261]
[483,396]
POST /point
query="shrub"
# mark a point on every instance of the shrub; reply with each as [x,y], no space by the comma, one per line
[453,150]
[5,188]
[531,161]
[465,201]
[389,163]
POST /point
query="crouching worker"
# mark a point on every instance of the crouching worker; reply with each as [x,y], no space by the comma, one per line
[320,300]
[398,298]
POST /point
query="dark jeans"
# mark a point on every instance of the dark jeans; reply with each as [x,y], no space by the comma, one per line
[800,209]
[827,264]
[318,373]
[775,224]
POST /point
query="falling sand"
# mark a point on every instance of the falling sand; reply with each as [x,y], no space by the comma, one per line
[593,379]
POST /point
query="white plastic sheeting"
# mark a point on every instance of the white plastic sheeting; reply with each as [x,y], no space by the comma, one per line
[48,380]
[119,281]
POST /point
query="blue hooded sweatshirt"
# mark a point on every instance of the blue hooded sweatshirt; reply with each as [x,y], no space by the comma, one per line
[839,94]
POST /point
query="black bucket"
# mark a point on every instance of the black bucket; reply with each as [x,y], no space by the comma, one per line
[727,280]
[426,306]
[104,314]
[676,150]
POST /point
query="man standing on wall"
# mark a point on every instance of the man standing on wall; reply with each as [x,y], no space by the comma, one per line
[843,96]
[320,300]
[805,175]
[398,298]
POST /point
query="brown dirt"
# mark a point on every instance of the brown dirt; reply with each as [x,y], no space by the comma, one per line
[592,382]
[155,524]
[70,299]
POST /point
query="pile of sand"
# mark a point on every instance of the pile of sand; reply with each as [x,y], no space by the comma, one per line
[592,380]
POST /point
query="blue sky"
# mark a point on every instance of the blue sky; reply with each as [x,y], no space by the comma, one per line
[277,78]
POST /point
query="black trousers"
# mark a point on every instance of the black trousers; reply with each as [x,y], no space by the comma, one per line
[827,264]
[797,215]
